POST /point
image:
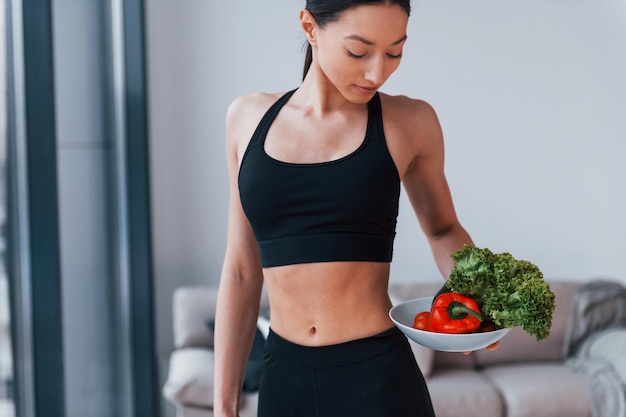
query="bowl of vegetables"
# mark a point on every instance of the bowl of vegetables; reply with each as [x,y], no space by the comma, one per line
[404,314]
[485,296]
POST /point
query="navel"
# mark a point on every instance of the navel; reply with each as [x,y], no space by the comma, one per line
[312,331]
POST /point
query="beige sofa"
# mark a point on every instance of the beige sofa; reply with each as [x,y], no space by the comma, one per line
[578,371]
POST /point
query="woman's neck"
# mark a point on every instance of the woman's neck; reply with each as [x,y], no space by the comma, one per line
[320,95]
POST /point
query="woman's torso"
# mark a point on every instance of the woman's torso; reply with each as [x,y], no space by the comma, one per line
[315,304]
[326,303]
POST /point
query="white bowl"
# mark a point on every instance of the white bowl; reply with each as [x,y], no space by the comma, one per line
[404,313]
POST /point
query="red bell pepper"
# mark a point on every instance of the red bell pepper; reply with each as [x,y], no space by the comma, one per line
[454,313]
[422,321]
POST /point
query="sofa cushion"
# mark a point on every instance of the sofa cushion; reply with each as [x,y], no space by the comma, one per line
[464,393]
[518,346]
[193,306]
[456,360]
[540,390]
[190,378]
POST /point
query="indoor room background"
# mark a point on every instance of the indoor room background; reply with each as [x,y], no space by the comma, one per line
[530,94]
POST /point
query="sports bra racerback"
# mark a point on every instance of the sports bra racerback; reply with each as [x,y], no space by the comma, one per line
[340,210]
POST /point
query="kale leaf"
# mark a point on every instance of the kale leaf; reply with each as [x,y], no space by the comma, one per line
[510,292]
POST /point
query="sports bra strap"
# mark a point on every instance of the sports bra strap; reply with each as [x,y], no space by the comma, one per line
[268,118]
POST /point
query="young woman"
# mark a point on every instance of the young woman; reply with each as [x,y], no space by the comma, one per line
[315,177]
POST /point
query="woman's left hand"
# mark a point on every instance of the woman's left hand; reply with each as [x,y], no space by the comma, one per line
[492,346]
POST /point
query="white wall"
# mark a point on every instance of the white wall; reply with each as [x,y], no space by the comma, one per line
[531,96]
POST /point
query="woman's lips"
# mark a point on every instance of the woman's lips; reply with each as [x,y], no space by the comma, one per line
[366,90]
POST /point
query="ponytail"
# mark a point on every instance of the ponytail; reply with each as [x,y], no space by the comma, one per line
[308,59]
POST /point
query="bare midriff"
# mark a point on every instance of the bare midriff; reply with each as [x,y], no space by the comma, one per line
[327,303]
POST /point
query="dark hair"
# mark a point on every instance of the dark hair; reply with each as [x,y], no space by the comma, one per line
[327,11]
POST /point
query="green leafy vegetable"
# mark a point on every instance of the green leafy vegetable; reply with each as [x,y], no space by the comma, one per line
[510,292]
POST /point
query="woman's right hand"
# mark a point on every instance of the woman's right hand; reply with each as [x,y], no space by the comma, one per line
[215,414]
[219,411]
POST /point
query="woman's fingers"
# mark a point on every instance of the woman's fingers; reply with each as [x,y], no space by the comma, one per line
[492,346]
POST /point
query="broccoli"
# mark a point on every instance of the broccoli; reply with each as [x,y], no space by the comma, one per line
[510,292]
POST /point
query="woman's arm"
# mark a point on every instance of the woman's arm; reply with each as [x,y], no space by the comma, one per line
[421,165]
[240,285]
[428,191]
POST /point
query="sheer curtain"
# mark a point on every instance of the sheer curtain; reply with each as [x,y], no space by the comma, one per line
[6,354]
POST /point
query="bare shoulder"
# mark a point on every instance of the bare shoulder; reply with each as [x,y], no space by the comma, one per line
[251,106]
[412,131]
[410,114]
[253,102]
[244,114]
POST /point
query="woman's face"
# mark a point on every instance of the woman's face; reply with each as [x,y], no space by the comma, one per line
[358,52]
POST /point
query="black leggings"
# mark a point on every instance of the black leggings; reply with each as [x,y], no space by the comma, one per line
[372,377]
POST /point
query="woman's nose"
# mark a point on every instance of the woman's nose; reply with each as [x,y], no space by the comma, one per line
[374,71]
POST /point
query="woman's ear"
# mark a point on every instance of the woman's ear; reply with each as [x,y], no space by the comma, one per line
[307,21]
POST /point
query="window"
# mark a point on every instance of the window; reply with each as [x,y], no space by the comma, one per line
[7,407]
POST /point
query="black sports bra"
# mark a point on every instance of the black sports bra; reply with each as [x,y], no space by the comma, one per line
[340,210]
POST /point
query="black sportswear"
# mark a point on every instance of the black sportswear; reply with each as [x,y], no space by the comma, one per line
[341,210]
[372,377]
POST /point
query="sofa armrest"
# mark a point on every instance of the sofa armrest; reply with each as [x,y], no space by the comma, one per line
[607,345]
[190,378]
[598,304]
